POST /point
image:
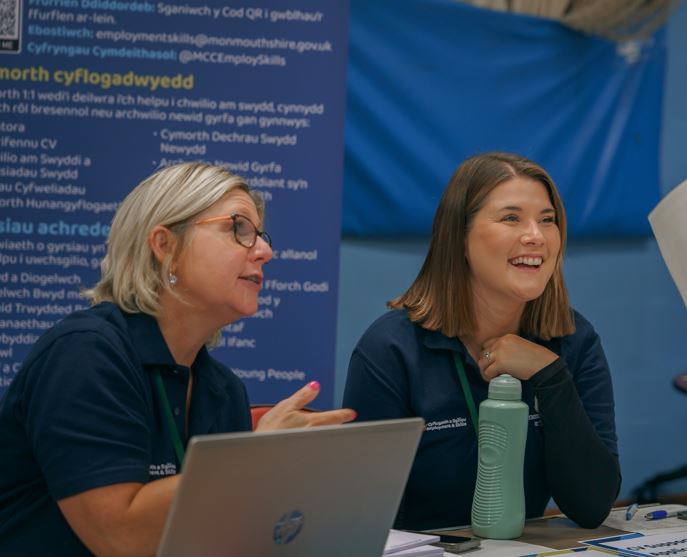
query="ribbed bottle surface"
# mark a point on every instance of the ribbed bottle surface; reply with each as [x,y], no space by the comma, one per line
[487,506]
[498,507]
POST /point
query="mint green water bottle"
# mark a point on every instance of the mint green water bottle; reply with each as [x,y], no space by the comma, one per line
[498,507]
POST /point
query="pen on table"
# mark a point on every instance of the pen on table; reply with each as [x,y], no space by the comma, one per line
[631,511]
[657,515]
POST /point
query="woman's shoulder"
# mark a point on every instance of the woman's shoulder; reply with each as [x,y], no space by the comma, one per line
[393,332]
[392,324]
[583,327]
[86,340]
[101,323]
[105,318]
[582,343]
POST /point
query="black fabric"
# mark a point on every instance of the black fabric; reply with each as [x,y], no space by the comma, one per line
[577,460]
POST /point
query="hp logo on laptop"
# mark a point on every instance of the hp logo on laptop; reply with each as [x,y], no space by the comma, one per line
[288,527]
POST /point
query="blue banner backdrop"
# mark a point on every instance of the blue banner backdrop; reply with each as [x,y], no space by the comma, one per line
[96,94]
[432,82]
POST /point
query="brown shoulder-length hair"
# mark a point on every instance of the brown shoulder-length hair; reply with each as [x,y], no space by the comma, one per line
[440,298]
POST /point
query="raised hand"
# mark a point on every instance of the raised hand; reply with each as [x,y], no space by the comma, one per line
[289,413]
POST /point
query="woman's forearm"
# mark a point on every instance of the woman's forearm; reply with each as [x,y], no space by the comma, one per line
[121,519]
[583,473]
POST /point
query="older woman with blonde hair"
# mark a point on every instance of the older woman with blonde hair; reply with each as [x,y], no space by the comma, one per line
[95,423]
[490,299]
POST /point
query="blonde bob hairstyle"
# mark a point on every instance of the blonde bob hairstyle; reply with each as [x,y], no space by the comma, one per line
[131,276]
[441,297]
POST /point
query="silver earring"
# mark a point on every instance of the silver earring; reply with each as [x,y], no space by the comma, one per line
[172,278]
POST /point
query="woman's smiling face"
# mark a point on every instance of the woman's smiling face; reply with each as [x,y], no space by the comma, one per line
[513,243]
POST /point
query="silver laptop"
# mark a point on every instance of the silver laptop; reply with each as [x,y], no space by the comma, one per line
[323,491]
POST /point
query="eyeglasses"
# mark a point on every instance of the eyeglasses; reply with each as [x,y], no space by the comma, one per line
[245,232]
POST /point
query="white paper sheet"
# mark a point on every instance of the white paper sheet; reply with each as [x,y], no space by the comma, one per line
[507,548]
[577,552]
[421,551]
[639,524]
[656,545]
[398,540]
[669,223]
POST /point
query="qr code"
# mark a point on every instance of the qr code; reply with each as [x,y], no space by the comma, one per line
[10,26]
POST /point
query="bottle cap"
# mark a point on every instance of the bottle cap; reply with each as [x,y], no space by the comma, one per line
[505,387]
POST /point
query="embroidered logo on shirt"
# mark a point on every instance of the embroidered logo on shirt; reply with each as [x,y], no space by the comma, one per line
[535,418]
[451,423]
[164,469]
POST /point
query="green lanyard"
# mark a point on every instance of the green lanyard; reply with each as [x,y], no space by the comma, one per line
[467,393]
[171,424]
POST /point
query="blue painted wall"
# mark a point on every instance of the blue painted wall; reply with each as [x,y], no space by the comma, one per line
[623,288]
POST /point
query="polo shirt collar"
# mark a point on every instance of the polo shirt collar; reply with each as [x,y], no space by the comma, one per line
[148,340]
[216,376]
[437,340]
[153,351]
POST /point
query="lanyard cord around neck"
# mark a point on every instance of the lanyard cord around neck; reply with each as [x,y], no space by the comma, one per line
[467,392]
[167,410]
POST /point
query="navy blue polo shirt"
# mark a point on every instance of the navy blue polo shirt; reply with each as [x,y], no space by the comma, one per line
[83,413]
[399,369]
